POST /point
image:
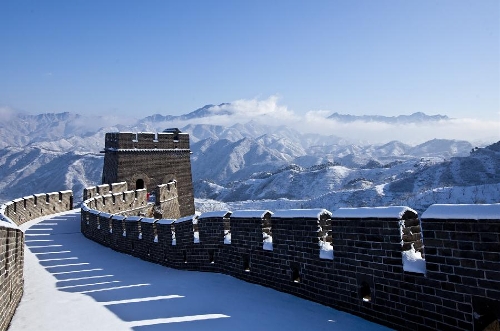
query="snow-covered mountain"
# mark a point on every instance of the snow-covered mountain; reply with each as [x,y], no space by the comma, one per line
[251,165]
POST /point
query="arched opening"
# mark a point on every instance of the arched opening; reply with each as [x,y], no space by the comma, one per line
[139,184]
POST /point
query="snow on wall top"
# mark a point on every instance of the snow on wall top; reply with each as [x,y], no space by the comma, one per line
[373,212]
[301,213]
[105,215]
[132,218]
[165,221]
[7,222]
[148,220]
[112,149]
[118,217]
[250,213]
[217,213]
[463,212]
[187,218]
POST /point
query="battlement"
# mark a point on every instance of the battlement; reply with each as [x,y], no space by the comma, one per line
[116,141]
[12,215]
[25,209]
[146,160]
[360,260]
[116,199]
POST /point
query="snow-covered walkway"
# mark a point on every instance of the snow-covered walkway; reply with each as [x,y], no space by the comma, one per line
[72,283]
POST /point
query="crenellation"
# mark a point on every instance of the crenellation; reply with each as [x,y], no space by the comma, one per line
[118,187]
[456,286]
[89,192]
[166,140]
[103,189]
[13,214]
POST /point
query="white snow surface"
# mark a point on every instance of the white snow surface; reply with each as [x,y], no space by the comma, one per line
[129,218]
[326,250]
[463,211]
[72,283]
[186,218]
[105,215]
[301,213]
[165,221]
[216,213]
[413,261]
[372,212]
[267,242]
[250,213]
[7,222]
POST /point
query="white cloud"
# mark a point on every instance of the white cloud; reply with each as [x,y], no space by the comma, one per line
[472,130]
[270,112]
[255,109]
[7,113]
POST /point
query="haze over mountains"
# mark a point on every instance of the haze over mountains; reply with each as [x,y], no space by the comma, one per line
[255,165]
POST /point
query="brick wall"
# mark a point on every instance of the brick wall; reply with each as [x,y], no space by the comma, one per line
[365,276]
[154,159]
[117,200]
[463,254]
[13,214]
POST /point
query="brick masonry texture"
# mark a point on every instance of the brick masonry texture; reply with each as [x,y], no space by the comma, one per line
[13,214]
[116,199]
[150,159]
[460,290]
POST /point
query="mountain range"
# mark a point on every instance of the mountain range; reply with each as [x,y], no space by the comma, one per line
[251,165]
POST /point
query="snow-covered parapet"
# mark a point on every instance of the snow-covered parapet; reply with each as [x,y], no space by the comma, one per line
[215,214]
[5,221]
[398,212]
[148,220]
[251,213]
[267,235]
[167,221]
[105,215]
[409,230]
[465,212]
[186,218]
[302,213]
[194,220]
[129,218]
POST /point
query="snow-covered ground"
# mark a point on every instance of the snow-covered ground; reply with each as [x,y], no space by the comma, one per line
[72,283]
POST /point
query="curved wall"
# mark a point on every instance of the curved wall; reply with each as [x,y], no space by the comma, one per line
[12,215]
[458,286]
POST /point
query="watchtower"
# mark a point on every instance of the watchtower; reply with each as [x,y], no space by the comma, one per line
[145,160]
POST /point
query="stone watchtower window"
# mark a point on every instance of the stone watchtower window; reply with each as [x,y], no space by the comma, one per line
[139,184]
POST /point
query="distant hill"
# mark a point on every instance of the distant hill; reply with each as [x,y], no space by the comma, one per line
[250,164]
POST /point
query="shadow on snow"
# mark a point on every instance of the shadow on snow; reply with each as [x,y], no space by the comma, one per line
[152,297]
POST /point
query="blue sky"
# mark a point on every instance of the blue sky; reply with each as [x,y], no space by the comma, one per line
[137,58]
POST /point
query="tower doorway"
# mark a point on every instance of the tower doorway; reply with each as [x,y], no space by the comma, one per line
[139,184]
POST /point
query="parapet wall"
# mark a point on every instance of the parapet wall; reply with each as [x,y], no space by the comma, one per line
[116,199]
[146,140]
[12,215]
[352,260]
